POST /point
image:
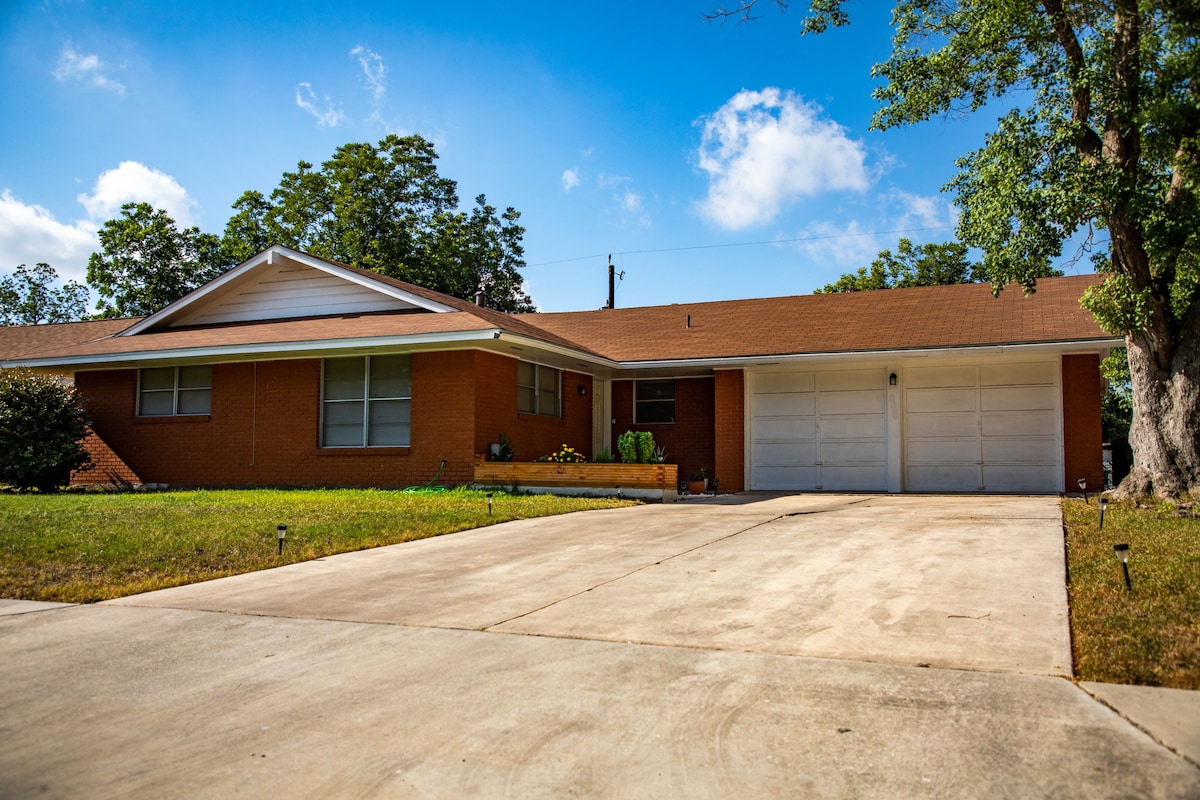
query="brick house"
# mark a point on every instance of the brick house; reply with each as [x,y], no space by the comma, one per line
[291,370]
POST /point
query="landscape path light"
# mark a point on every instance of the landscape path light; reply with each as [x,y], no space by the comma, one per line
[280,532]
[1083,488]
[489,499]
[1122,553]
[1103,508]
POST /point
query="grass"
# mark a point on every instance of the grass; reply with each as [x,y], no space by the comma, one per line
[1151,635]
[81,548]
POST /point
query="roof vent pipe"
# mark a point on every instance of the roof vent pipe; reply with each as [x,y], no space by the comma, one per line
[481,298]
[612,286]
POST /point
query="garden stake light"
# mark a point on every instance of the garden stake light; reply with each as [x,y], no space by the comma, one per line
[1122,552]
[489,499]
[1083,488]
[1103,508]
[280,532]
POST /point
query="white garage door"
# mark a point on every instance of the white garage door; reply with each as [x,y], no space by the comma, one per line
[982,428]
[819,430]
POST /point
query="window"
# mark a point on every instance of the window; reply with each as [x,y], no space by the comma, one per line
[537,389]
[653,401]
[175,391]
[366,402]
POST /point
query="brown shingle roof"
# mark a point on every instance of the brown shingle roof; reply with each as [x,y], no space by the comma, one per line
[21,341]
[893,319]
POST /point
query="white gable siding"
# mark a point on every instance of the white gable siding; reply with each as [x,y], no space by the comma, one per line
[278,292]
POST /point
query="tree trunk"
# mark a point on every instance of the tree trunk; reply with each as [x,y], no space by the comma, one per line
[1165,431]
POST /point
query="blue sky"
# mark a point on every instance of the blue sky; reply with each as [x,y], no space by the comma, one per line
[713,161]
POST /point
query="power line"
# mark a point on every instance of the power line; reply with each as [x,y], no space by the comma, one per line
[738,244]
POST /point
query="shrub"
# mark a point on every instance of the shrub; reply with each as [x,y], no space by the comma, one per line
[645,447]
[636,447]
[627,447]
[42,427]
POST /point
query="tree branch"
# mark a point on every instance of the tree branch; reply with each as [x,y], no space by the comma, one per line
[1081,95]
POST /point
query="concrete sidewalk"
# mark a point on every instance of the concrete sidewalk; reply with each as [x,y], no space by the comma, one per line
[751,648]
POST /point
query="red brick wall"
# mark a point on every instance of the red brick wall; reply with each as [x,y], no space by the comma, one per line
[107,467]
[532,436]
[1082,437]
[689,441]
[264,429]
[730,428]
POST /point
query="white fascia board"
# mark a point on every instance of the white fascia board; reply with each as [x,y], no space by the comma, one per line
[734,362]
[546,347]
[271,256]
[274,350]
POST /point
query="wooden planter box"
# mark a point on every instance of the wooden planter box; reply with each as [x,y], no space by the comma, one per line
[659,481]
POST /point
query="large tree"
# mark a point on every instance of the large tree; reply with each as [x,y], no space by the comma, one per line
[385,208]
[911,265]
[1102,134]
[28,297]
[147,262]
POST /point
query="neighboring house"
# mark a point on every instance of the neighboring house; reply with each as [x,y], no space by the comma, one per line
[291,370]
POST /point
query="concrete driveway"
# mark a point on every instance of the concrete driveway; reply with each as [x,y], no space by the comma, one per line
[807,646]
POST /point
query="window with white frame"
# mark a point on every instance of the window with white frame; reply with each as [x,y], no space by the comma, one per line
[366,401]
[653,402]
[538,389]
[175,391]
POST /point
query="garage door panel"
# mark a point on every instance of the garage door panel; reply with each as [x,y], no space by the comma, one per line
[938,425]
[938,377]
[1024,398]
[853,453]
[863,427]
[785,404]
[784,428]
[851,380]
[1019,478]
[1029,451]
[943,478]
[941,401]
[852,402]
[786,453]
[853,479]
[1041,372]
[1024,423]
[770,383]
[768,478]
[944,451]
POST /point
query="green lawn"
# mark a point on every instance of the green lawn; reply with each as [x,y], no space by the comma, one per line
[81,548]
[1148,636]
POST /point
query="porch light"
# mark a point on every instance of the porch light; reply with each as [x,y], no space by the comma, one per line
[581,389]
[489,501]
[1083,488]
[1122,553]
[892,379]
[280,533]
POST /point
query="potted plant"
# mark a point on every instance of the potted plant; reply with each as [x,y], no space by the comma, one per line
[698,481]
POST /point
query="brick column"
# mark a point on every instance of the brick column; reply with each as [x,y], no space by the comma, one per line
[729,428]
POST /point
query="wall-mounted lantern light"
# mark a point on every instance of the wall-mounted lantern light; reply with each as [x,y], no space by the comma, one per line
[892,379]
[582,390]
[280,533]
[1122,553]
[1083,488]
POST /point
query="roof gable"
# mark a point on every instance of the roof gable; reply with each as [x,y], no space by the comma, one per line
[280,283]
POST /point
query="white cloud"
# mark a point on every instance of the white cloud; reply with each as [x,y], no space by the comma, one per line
[851,244]
[918,211]
[30,234]
[73,65]
[374,70]
[848,245]
[762,150]
[632,209]
[132,182]
[306,98]
[570,179]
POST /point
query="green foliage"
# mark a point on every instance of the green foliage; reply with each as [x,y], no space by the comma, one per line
[505,452]
[603,456]
[636,447]
[385,208]
[1116,404]
[645,447]
[42,427]
[146,262]
[699,475]
[26,297]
